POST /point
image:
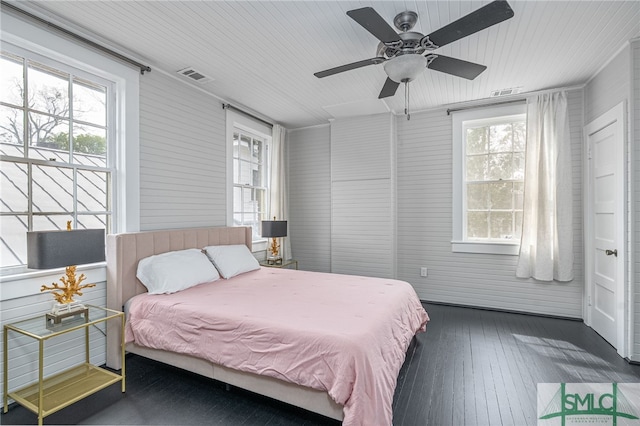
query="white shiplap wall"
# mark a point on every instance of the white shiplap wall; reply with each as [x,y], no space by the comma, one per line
[182,156]
[609,87]
[425,228]
[362,196]
[635,121]
[309,173]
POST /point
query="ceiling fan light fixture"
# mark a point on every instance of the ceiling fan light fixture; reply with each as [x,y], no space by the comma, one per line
[405,68]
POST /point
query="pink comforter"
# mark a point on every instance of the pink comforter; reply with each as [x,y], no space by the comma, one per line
[347,335]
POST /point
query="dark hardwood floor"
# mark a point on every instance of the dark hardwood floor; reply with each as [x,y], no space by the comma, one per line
[472,367]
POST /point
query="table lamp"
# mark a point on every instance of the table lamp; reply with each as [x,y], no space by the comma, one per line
[274,229]
[55,249]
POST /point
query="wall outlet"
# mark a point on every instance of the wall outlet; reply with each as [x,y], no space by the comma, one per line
[423,272]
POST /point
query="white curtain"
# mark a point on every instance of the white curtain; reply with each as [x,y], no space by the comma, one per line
[278,202]
[546,247]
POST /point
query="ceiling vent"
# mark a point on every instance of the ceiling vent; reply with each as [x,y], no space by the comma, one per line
[194,75]
[505,92]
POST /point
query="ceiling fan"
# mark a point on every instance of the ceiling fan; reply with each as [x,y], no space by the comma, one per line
[407,54]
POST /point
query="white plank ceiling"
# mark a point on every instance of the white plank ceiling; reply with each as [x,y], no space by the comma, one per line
[262,55]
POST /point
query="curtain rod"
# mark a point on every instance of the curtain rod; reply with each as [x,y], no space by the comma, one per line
[143,68]
[229,106]
[449,111]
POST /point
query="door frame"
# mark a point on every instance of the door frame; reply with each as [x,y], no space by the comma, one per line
[615,116]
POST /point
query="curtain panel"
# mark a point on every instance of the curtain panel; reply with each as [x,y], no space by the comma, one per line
[546,246]
[278,202]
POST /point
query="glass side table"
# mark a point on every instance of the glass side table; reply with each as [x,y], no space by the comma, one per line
[284,264]
[53,393]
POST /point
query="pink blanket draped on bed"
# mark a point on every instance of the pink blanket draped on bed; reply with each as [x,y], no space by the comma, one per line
[347,335]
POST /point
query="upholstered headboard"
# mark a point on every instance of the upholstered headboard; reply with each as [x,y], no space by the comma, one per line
[124,251]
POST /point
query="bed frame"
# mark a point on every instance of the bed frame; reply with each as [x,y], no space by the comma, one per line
[123,253]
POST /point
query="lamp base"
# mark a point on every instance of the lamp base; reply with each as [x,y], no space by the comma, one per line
[274,260]
[64,312]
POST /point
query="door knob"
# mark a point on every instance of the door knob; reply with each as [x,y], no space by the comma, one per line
[611,252]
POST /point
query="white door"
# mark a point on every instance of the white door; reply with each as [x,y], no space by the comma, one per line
[606,222]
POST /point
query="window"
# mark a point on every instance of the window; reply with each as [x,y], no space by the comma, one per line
[250,179]
[489,179]
[55,153]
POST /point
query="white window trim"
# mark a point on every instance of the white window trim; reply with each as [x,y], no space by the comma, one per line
[21,32]
[236,120]
[458,243]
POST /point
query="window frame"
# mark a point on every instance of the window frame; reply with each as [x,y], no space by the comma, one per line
[264,161]
[39,40]
[459,242]
[235,120]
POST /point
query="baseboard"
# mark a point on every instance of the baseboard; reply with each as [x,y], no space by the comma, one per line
[507,311]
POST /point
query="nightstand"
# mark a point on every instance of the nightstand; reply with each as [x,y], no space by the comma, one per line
[53,393]
[284,264]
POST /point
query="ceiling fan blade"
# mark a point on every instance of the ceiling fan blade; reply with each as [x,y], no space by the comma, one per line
[488,15]
[351,66]
[457,67]
[389,89]
[374,23]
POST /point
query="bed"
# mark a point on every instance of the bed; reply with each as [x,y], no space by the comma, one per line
[335,393]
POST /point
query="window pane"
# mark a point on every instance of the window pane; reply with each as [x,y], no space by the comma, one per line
[518,195]
[519,136]
[48,90]
[13,247]
[13,187]
[248,204]
[92,191]
[52,189]
[500,166]
[518,225]
[257,174]
[477,167]
[237,199]
[501,195]
[89,103]
[51,222]
[245,175]
[500,138]
[98,221]
[237,219]
[518,166]
[236,144]
[11,80]
[48,137]
[11,131]
[477,224]
[261,197]
[502,225]
[477,196]
[257,151]
[244,152]
[477,141]
[89,145]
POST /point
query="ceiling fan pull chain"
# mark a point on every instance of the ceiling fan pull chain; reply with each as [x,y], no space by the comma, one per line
[406,100]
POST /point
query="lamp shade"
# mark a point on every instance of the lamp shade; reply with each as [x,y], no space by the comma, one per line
[274,228]
[55,249]
[405,68]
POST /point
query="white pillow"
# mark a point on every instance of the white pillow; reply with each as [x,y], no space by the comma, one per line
[175,270]
[232,260]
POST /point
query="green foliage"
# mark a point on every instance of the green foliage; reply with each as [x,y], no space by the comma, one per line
[83,143]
